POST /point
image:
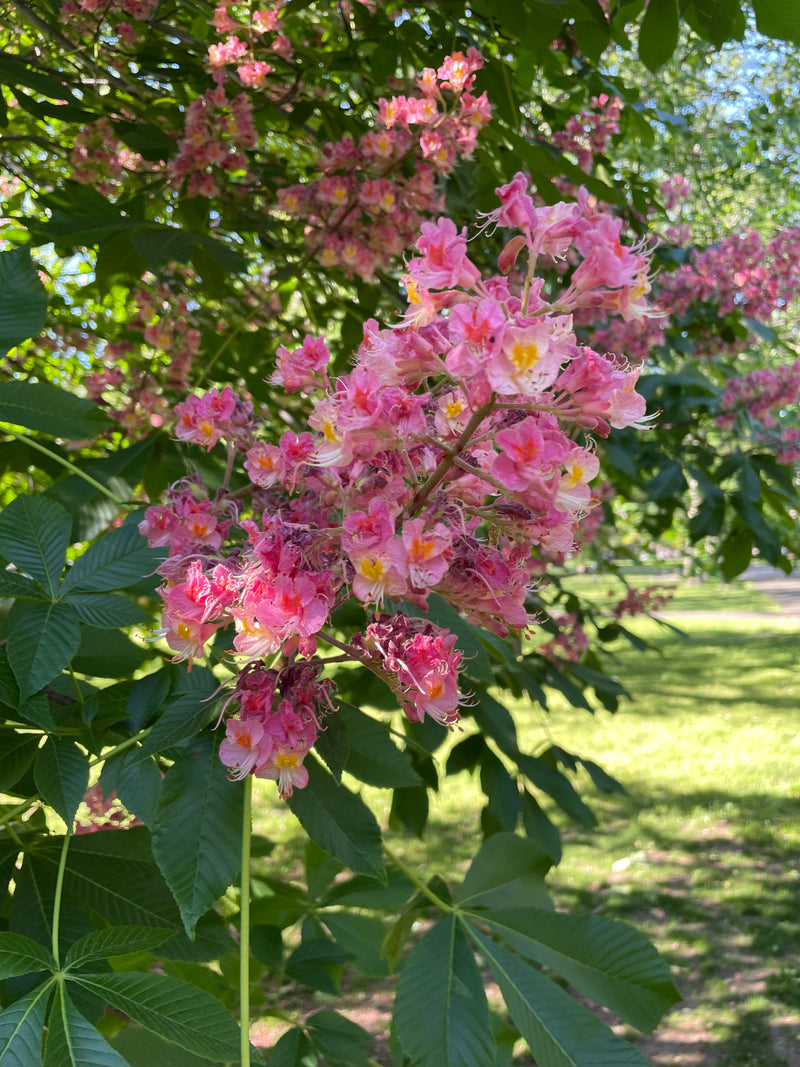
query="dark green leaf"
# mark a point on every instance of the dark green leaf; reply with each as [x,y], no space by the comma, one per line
[41,643]
[605,960]
[441,1016]
[52,411]
[15,757]
[72,1041]
[317,963]
[183,717]
[16,585]
[175,1010]
[341,1042]
[34,536]
[338,821]
[736,552]
[106,609]
[23,306]
[116,941]
[559,1031]
[373,757]
[540,830]
[21,1028]
[120,558]
[778,18]
[21,955]
[333,745]
[61,772]
[361,936]
[508,870]
[658,35]
[137,783]
[197,830]
[293,1050]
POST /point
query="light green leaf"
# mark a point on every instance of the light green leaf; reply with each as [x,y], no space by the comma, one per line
[338,821]
[197,830]
[41,642]
[61,773]
[119,558]
[441,1016]
[21,1027]
[72,1041]
[559,1031]
[175,1010]
[658,35]
[23,300]
[34,536]
[116,941]
[54,412]
[604,959]
[21,955]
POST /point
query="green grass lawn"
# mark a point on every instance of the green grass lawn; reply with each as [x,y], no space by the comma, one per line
[690,594]
[702,853]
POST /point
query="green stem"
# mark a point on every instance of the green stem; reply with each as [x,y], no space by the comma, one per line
[70,466]
[442,905]
[122,746]
[244,925]
[62,863]
[9,816]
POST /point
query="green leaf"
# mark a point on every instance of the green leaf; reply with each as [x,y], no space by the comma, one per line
[106,609]
[658,35]
[778,18]
[736,552]
[122,557]
[361,936]
[182,718]
[52,411]
[338,821]
[545,777]
[61,773]
[604,959]
[197,830]
[508,870]
[342,1043]
[333,745]
[35,710]
[136,782]
[23,302]
[116,941]
[559,1031]
[16,585]
[373,757]
[21,1027]
[16,756]
[441,1017]
[34,536]
[72,1041]
[173,1009]
[293,1050]
[41,643]
[21,955]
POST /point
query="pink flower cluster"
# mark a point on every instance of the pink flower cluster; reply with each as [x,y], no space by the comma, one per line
[761,393]
[203,420]
[569,644]
[644,600]
[279,720]
[217,131]
[459,441]
[99,157]
[372,196]
[587,134]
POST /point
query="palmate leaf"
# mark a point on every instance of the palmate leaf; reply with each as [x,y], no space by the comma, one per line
[41,643]
[16,585]
[34,536]
[508,870]
[21,1026]
[559,1031]
[197,830]
[111,610]
[72,1041]
[175,1010]
[441,1016]
[604,959]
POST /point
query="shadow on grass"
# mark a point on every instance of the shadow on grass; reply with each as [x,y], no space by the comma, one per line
[718,890]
